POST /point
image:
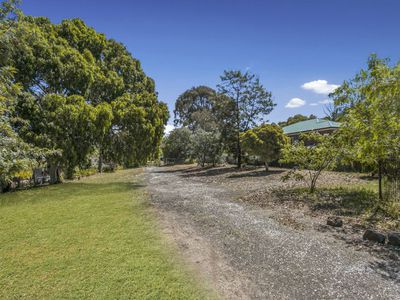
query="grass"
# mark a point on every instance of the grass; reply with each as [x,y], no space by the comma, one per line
[359,201]
[95,238]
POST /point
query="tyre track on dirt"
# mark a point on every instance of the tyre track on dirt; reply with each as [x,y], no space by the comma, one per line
[264,259]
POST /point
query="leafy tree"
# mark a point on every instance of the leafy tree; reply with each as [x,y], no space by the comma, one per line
[207,147]
[202,108]
[265,141]
[195,108]
[9,10]
[137,128]
[371,114]
[57,64]
[102,124]
[16,156]
[251,102]
[312,154]
[58,122]
[295,119]
[178,145]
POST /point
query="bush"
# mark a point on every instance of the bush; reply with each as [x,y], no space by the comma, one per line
[87,172]
[177,146]
[207,147]
[313,153]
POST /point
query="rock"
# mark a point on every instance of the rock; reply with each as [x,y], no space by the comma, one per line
[374,236]
[334,221]
[394,238]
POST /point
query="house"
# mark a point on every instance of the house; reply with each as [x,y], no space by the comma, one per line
[321,126]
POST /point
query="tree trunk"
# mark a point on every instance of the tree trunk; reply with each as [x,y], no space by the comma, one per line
[238,148]
[70,172]
[380,179]
[6,187]
[266,167]
[239,152]
[312,185]
[100,163]
[54,173]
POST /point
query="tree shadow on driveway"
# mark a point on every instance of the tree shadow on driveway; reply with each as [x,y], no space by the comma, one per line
[257,173]
[228,172]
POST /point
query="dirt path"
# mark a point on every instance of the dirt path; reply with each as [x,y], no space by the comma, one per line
[243,253]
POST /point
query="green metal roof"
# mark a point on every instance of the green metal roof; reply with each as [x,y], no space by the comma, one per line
[310,125]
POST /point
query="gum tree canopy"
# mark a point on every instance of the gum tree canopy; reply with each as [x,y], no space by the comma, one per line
[81,92]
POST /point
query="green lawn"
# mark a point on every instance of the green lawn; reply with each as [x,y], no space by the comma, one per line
[94,238]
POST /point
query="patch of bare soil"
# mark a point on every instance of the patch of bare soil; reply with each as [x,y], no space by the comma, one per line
[212,270]
[300,210]
[248,242]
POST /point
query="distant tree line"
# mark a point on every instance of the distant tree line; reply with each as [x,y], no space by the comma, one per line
[234,118]
[296,118]
[68,93]
[216,119]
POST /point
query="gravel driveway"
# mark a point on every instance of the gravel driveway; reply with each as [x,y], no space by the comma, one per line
[243,253]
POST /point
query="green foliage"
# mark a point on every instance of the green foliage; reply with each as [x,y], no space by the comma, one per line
[371,113]
[195,108]
[59,122]
[207,147]
[265,141]
[78,91]
[9,9]
[313,153]
[371,124]
[295,119]
[178,145]
[16,156]
[251,102]
[87,172]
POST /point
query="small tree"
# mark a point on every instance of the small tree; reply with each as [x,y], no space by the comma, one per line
[207,147]
[265,141]
[178,145]
[314,153]
[370,109]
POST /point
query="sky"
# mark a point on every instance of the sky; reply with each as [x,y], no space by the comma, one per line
[300,49]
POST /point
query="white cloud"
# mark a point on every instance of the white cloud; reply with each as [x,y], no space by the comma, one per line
[168,128]
[325,101]
[320,86]
[295,102]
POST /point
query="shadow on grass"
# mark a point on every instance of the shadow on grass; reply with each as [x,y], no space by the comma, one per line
[339,201]
[65,191]
[345,202]
[368,178]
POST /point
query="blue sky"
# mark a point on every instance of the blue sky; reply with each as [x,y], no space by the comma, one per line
[288,43]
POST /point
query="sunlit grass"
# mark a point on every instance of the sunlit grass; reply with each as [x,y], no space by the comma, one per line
[359,200]
[94,238]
